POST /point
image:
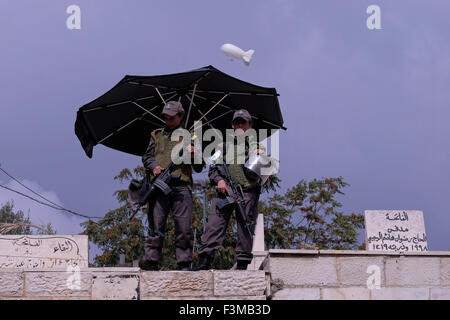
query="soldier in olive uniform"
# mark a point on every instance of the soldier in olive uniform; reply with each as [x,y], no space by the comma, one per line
[217,224]
[179,202]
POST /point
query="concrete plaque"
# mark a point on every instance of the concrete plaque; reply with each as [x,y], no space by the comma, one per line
[115,287]
[395,230]
[43,252]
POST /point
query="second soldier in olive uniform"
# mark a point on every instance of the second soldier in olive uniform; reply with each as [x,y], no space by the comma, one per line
[179,202]
[218,220]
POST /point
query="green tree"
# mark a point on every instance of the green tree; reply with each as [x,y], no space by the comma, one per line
[15,222]
[308,216]
[116,234]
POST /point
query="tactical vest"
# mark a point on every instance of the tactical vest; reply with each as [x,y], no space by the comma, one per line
[163,151]
[238,175]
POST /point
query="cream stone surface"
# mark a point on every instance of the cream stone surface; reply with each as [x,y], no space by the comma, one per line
[115,286]
[176,283]
[258,240]
[352,271]
[400,294]
[225,298]
[239,283]
[445,272]
[258,258]
[353,293]
[304,271]
[57,284]
[412,271]
[297,294]
[395,230]
[38,252]
[11,283]
[439,294]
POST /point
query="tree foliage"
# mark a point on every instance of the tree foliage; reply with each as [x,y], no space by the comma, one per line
[23,223]
[306,216]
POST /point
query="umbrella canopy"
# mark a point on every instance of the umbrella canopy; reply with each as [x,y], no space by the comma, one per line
[124,117]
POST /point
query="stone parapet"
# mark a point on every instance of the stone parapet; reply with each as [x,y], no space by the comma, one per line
[131,284]
[351,275]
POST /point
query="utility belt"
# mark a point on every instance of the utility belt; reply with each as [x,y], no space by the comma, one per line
[252,189]
[178,183]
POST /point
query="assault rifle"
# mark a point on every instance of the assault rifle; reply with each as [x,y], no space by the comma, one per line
[146,189]
[235,198]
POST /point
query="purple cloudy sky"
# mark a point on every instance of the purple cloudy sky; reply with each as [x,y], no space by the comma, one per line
[369,105]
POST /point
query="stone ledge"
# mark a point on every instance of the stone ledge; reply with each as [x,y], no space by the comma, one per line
[223,298]
[296,252]
[176,283]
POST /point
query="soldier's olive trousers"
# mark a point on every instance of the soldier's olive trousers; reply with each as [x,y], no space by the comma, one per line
[179,202]
[217,224]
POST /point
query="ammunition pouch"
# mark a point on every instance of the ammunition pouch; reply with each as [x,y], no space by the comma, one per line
[225,202]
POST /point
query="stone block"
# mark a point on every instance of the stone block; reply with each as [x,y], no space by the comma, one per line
[257,261]
[355,293]
[439,294]
[352,271]
[115,286]
[400,294]
[395,230]
[11,284]
[304,271]
[176,284]
[57,284]
[412,271]
[445,272]
[258,240]
[45,298]
[239,283]
[297,294]
[224,298]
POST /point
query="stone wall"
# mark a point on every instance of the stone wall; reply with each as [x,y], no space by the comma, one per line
[132,284]
[283,275]
[339,274]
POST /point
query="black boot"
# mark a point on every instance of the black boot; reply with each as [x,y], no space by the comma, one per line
[148,265]
[184,266]
[242,264]
[204,264]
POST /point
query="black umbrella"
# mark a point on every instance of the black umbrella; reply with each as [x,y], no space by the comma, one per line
[124,117]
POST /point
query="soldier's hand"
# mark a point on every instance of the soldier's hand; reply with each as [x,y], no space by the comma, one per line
[259,151]
[222,187]
[157,170]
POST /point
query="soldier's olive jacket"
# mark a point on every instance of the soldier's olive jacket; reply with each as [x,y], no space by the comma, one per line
[237,171]
[159,152]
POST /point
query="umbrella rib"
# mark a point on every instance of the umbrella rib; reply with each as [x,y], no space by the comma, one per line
[148,85]
[240,93]
[124,102]
[190,105]
[273,124]
[218,102]
[201,113]
[113,133]
[150,113]
[126,125]
[160,95]
[208,123]
[254,117]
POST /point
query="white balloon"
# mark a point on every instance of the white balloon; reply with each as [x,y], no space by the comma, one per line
[235,52]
